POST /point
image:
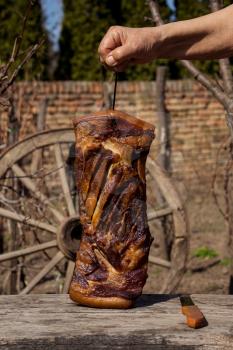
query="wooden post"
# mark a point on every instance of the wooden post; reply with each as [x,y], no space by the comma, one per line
[14,127]
[107,95]
[163,119]
[40,126]
[164,155]
[107,91]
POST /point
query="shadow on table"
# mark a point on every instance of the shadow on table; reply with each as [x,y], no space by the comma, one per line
[151,299]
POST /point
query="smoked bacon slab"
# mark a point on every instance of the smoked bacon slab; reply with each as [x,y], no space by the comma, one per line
[111,264]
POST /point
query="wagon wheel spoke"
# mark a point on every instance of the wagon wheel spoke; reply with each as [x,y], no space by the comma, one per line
[26,220]
[156,214]
[159,261]
[63,178]
[55,260]
[68,277]
[27,251]
[30,185]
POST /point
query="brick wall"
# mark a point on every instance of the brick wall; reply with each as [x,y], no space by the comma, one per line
[197,121]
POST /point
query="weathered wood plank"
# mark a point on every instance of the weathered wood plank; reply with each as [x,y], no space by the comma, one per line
[54,322]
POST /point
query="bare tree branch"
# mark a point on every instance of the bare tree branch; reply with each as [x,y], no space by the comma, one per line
[5,80]
[154,9]
[18,40]
[224,63]
[205,81]
[215,5]
[26,59]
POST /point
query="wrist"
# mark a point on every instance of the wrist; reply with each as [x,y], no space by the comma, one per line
[159,35]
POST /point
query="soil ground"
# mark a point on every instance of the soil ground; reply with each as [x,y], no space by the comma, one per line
[208,230]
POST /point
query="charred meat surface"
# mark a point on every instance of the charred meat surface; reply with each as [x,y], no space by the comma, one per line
[111,264]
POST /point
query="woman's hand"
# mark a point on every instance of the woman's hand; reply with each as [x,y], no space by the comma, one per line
[122,46]
[206,37]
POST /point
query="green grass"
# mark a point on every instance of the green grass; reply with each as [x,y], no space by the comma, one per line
[226,262]
[205,253]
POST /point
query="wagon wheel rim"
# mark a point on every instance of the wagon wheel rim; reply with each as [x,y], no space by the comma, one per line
[9,159]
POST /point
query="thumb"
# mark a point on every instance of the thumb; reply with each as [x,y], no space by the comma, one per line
[119,55]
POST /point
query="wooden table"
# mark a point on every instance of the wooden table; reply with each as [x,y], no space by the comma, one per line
[54,322]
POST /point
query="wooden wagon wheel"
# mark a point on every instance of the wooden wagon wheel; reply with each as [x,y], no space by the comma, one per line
[64,223]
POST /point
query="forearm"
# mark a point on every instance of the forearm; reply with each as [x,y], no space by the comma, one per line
[206,37]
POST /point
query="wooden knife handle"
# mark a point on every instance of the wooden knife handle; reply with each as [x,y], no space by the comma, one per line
[195,318]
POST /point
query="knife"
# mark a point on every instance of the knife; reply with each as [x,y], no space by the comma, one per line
[195,318]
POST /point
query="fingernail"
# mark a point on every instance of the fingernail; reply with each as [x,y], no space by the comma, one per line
[111,61]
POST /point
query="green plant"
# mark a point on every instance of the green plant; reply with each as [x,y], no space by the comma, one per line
[225,262]
[205,253]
